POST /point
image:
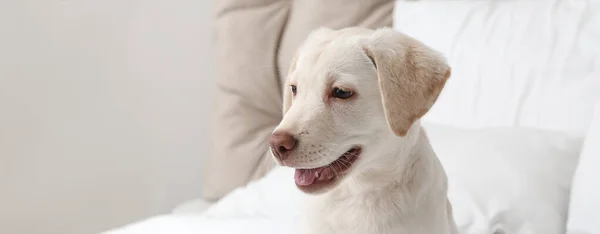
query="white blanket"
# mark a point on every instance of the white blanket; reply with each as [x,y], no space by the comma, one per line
[497,181]
[266,207]
[177,224]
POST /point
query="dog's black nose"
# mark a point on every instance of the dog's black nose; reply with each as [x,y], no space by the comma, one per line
[282,143]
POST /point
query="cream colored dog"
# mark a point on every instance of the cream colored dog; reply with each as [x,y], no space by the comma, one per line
[352,103]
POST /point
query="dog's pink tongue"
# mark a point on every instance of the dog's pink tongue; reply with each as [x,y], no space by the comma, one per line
[304,176]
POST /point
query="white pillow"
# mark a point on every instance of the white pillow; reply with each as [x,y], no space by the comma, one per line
[503,180]
[527,63]
[584,211]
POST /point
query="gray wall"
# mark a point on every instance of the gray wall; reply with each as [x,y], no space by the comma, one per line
[103,110]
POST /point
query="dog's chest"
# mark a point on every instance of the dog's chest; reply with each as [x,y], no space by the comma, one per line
[374,215]
[354,216]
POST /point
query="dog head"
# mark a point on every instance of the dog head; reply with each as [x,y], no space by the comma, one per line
[349,94]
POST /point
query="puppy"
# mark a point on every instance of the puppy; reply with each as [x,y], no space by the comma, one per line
[352,103]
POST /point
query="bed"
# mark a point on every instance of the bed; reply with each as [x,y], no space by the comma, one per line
[517,127]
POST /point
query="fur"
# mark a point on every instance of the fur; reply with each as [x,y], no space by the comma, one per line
[397,185]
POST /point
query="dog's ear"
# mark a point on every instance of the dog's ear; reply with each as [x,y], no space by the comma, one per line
[411,76]
[287,92]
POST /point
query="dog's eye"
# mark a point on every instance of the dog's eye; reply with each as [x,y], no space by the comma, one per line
[294,89]
[342,94]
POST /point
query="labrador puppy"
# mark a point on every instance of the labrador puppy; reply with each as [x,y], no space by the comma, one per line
[352,103]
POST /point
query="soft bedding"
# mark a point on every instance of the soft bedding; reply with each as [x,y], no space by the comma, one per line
[515,64]
[585,196]
[265,206]
[496,183]
[177,224]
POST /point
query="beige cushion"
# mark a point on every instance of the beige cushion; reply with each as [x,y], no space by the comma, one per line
[307,15]
[248,97]
[254,41]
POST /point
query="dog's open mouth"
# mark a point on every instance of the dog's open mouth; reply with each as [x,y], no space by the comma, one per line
[325,174]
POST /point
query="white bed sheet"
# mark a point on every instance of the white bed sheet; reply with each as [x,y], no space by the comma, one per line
[255,208]
[272,204]
[195,224]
